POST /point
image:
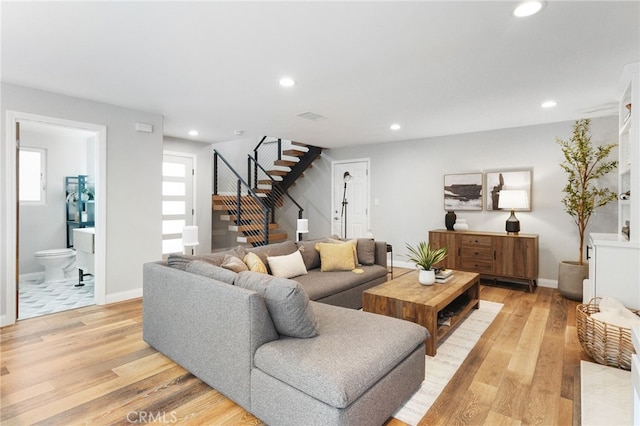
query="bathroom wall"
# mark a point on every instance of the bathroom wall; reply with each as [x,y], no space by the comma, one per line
[43,227]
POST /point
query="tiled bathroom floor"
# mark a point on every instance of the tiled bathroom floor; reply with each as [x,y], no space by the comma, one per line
[40,298]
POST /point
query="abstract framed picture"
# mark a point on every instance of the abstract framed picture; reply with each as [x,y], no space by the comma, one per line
[506,181]
[463,191]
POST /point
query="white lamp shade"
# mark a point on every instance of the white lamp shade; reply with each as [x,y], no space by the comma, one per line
[190,236]
[303,226]
[513,199]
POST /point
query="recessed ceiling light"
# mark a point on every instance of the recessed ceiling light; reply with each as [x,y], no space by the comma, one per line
[287,82]
[395,126]
[548,104]
[527,8]
[193,133]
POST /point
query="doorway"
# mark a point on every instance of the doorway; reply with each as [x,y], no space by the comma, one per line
[178,199]
[96,155]
[350,198]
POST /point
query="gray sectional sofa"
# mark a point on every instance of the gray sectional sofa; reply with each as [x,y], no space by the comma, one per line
[263,343]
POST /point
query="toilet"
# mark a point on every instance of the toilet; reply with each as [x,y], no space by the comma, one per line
[55,261]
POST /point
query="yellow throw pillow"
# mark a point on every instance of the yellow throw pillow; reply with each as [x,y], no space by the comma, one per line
[254,263]
[336,257]
[353,242]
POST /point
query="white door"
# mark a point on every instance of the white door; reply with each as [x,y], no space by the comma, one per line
[351,201]
[177,200]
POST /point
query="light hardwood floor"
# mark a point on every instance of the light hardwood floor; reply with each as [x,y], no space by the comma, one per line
[90,365]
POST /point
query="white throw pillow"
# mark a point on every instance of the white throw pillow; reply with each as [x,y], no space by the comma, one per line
[287,266]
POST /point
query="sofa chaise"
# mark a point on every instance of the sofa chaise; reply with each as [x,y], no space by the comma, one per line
[261,342]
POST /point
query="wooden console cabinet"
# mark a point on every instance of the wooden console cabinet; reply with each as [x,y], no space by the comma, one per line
[493,255]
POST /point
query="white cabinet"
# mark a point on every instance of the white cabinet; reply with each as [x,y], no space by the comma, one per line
[614,269]
[629,153]
[614,259]
[635,376]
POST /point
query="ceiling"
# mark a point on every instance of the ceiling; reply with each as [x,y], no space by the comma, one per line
[434,67]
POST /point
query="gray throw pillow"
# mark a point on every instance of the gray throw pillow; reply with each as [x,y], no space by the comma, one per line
[286,301]
[212,271]
[310,255]
[366,249]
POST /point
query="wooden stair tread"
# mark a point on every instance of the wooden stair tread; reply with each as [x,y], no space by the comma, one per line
[294,152]
[259,238]
[265,182]
[296,143]
[247,216]
[277,172]
[285,163]
[253,227]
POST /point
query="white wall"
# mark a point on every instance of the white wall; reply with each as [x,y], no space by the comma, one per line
[132,190]
[407,179]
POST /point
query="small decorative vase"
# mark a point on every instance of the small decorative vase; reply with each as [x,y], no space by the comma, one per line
[427,277]
[461,225]
[450,220]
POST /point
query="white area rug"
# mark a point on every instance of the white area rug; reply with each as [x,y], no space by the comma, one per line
[449,356]
[605,395]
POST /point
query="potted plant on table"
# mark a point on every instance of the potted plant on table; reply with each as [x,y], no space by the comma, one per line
[584,164]
[425,257]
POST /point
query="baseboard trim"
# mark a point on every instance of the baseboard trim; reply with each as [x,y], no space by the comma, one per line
[123,295]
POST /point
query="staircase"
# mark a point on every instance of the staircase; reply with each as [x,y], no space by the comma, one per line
[250,207]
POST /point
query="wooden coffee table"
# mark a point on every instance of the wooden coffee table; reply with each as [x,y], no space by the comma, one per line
[405,298]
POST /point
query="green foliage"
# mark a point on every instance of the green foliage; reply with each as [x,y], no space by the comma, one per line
[424,256]
[584,164]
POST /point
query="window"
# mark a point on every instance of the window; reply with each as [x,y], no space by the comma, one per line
[32,178]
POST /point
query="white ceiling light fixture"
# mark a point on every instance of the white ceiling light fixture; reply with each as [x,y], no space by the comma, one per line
[549,104]
[193,133]
[287,82]
[528,8]
[395,126]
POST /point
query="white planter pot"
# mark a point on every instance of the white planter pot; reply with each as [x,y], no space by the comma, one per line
[427,277]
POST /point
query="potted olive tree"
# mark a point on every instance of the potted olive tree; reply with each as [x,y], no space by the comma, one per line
[425,257]
[584,164]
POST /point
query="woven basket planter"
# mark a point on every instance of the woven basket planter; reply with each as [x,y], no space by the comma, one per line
[607,344]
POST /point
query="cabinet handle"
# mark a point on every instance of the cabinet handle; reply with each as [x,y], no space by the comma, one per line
[588,254]
[458,251]
[494,255]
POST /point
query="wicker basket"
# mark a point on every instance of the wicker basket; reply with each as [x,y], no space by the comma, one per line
[607,344]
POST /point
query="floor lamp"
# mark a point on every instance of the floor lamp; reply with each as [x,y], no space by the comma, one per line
[346,178]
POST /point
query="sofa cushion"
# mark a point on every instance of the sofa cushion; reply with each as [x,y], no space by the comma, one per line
[234,264]
[366,248]
[212,271]
[278,249]
[336,257]
[177,260]
[287,266]
[310,255]
[286,302]
[319,285]
[353,350]
[254,263]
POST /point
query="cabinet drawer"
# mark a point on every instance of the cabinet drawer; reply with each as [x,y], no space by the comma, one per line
[477,241]
[477,253]
[476,266]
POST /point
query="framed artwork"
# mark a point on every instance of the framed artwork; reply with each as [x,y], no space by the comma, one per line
[463,191]
[507,180]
